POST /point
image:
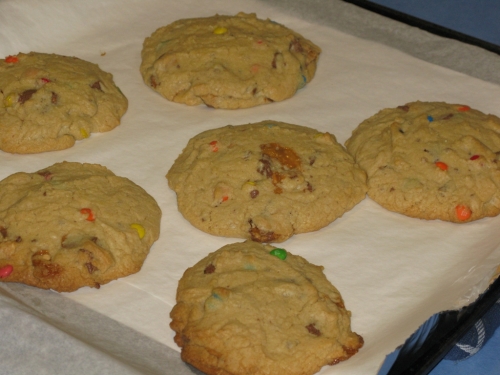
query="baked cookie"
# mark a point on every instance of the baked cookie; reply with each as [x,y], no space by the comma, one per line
[242,311]
[72,225]
[431,160]
[48,101]
[227,61]
[265,181]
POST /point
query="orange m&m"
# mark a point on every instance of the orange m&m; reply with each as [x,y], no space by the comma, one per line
[89,213]
[441,165]
[463,212]
[11,59]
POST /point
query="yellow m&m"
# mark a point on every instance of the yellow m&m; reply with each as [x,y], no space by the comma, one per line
[9,100]
[220,30]
[139,228]
[84,133]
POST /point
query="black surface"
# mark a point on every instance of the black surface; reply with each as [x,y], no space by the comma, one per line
[451,326]
[425,25]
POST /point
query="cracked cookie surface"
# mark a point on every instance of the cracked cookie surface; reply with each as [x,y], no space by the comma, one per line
[241,310]
[227,61]
[265,181]
[72,225]
[49,101]
[431,160]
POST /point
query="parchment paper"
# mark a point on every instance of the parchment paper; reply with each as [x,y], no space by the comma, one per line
[393,271]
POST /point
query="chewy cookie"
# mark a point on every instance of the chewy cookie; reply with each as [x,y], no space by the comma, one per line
[265,181]
[242,310]
[48,101]
[431,160]
[227,61]
[72,225]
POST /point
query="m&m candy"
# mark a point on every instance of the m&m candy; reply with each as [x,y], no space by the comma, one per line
[279,253]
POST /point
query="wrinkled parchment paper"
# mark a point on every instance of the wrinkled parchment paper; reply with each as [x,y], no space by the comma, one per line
[393,271]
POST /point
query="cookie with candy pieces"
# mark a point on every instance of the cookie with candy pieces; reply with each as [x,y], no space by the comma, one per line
[49,101]
[250,308]
[227,61]
[265,181]
[431,160]
[72,225]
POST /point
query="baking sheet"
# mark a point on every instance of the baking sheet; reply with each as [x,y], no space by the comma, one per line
[393,271]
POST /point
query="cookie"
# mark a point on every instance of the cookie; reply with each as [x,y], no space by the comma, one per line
[242,310]
[48,101]
[72,225]
[227,61]
[431,160]
[265,181]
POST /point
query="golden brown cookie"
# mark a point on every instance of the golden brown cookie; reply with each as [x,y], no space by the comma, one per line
[48,101]
[227,61]
[72,225]
[265,181]
[431,160]
[250,308]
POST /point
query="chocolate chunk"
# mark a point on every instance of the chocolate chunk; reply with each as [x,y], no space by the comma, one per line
[153,83]
[259,235]
[3,232]
[295,46]
[313,330]
[43,267]
[265,167]
[254,193]
[25,96]
[209,269]
[96,85]
[273,63]
[405,108]
[53,98]
[91,268]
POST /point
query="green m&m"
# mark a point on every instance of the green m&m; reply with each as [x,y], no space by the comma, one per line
[280,253]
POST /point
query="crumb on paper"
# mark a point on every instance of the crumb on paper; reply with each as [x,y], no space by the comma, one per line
[103,53]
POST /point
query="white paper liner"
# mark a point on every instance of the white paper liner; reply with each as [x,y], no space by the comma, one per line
[393,271]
